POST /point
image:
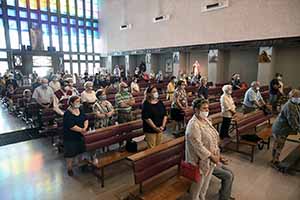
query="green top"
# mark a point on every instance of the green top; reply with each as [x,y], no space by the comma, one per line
[120,98]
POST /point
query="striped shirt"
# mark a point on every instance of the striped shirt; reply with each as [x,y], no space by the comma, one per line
[122,97]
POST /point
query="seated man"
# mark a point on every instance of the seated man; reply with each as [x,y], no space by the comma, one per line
[253,99]
[44,94]
[124,102]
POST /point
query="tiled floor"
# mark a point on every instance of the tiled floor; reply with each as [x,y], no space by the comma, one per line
[33,170]
[9,123]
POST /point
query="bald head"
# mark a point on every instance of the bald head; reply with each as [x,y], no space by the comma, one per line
[255,85]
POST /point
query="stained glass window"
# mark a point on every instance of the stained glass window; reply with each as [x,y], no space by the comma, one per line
[89,41]
[96,9]
[44,17]
[91,68]
[33,4]
[23,14]
[73,39]
[46,36]
[22,3]
[88,9]
[75,67]
[11,2]
[53,18]
[53,7]
[13,34]
[34,15]
[55,36]
[72,7]
[11,12]
[63,7]
[43,5]
[81,40]
[65,38]
[96,41]
[25,33]
[64,20]
[2,35]
[80,8]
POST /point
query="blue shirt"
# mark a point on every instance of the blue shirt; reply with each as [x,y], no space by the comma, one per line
[250,97]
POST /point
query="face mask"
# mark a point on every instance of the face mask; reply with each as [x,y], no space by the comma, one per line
[44,85]
[125,89]
[77,105]
[90,88]
[175,80]
[155,95]
[279,78]
[203,115]
[66,88]
[295,100]
[257,88]
[102,98]
[135,81]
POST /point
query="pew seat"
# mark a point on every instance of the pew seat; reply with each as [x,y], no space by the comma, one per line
[105,137]
[151,164]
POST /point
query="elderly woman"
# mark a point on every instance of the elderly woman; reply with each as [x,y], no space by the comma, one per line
[154,117]
[201,147]
[103,110]
[203,89]
[179,104]
[75,126]
[287,123]
[88,96]
[228,110]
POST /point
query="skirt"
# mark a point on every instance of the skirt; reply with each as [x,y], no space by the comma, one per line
[73,148]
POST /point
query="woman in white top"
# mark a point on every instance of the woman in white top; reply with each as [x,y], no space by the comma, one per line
[228,110]
[55,84]
[201,142]
[88,96]
[134,86]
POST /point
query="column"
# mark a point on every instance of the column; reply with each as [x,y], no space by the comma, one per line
[148,62]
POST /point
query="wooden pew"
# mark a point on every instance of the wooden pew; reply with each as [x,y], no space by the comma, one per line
[104,138]
[242,124]
[150,164]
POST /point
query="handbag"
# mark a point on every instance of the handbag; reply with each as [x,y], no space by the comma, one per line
[190,171]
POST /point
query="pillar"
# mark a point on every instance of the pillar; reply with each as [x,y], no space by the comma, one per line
[266,59]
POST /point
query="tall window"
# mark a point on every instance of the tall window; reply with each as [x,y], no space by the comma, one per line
[13,34]
[2,35]
[25,33]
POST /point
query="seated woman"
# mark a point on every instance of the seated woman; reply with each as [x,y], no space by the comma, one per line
[103,110]
[179,104]
[203,89]
[154,117]
[134,86]
[88,97]
[75,126]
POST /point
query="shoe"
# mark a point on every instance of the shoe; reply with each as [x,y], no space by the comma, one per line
[275,164]
[70,172]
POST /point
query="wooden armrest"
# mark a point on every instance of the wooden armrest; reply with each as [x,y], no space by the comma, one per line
[156,149]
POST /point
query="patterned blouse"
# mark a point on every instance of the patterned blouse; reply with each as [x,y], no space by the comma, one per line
[103,107]
[201,141]
[180,94]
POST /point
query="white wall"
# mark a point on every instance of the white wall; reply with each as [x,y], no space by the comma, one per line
[242,20]
[243,62]
[287,62]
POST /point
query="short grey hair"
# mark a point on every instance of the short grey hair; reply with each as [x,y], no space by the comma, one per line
[225,88]
[255,83]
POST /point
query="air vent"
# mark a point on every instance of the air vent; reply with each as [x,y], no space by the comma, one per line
[210,5]
[125,27]
[161,18]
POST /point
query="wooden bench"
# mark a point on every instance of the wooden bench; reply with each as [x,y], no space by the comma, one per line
[104,138]
[150,164]
[244,123]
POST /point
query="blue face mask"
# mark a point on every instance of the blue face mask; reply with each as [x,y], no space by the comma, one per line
[102,97]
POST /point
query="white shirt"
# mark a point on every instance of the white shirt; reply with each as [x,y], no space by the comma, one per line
[43,96]
[88,97]
[55,85]
[227,105]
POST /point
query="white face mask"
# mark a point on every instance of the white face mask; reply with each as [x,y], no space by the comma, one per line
[125,89]
[155,95]
[77,105]
[203,115]
[257,88]
[44,85]
[295,100]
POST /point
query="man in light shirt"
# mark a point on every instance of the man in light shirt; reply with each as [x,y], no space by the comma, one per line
[44,94]
[253,99]
[55,84]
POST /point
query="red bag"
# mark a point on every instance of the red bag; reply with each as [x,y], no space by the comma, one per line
[190,171]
